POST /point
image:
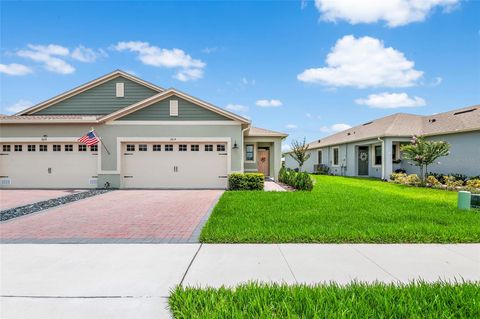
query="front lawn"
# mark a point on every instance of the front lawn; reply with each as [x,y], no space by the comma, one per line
[416,300]
[342,210]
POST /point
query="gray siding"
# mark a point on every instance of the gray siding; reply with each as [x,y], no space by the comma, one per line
[187,111]
[100,100]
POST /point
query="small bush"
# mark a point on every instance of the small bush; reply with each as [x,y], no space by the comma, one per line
[399,178]
[303,181]
[413,179]
[247,181]
[452,183]
[433,181]
[473,183]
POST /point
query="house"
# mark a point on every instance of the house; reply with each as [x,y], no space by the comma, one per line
[151,137]
[373,148]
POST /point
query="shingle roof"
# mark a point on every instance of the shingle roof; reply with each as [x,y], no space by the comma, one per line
[257,131]
[406,125]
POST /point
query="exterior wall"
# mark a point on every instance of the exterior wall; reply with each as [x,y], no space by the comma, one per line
[275,146]
[307,166]
[100,100]
[187,111]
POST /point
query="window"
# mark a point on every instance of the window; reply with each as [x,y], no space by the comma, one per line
[209,148]
[220,147]
[195,148]
[43,148]
[57,148]
[182,148]
[319,157]
[142,147]
[394,152]
[157,148]
[68,148]
[169,148]
[130,148]
[249,155]
[6,148]
[18,148]
[82,148]
[335,156]
[173,107]
[31,148]
[377,156]
[120,89]
[93,148]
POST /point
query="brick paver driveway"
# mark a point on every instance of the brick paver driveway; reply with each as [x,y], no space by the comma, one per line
[148,216]
[10,198]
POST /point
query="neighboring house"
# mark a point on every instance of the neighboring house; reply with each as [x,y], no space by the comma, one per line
[373,148]
[152,138]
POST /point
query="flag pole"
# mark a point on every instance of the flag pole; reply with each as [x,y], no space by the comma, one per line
[101,142]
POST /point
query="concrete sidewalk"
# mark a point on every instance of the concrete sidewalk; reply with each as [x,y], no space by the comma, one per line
[134,281]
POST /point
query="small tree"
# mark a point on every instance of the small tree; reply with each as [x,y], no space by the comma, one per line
[424,153]
[299,152]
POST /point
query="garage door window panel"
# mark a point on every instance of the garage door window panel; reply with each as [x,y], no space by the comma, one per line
[68,148]
[220,147]
[43,148]
[57,148]
[142,148]
[82,148]
[31,148]
[130,148]
[18,148]
[157,148]
[182,147]
[169,148]
[94,148]
[209,148]
[6,148]
[195,147]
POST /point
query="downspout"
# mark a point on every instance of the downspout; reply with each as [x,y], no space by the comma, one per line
[383,160]
[242,166]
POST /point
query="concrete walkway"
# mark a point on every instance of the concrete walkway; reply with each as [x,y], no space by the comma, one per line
[134,281]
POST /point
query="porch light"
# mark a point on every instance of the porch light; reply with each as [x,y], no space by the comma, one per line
[235,146]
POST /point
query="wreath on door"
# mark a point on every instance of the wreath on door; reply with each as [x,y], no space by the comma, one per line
[263,159]
[363,156]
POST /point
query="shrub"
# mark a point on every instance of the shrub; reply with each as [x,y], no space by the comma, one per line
[400,170]
[322,169]
[452,183]
[413,179]
[247,181]
[473,183]
[399,178]
[433,181]
[460,177]
[303,181]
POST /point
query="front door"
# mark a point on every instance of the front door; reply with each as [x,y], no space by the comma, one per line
[264,162]
[363,160]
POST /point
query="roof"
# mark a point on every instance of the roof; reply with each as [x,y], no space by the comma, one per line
[406,125]
[261,132]
[30,119]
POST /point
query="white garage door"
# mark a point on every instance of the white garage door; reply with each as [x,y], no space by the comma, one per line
[48,165]
[174,165]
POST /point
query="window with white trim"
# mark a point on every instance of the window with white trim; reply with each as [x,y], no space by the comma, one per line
[173,107]
[93,148]
[142,147]
[43,148]
[182,147]
[194,147]
[220,147]
[336,156]
[6,148]
[169,148]
[157,148]
[82,148]
[18,148]
[31,148]
[249,152]
[120,89]
[57,148]
[69,148]
[130,147]
[208,148]
[377,155]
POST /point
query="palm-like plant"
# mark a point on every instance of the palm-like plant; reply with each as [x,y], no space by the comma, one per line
[424,153]
[299,152]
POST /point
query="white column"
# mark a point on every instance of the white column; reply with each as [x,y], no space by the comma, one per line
[387,159]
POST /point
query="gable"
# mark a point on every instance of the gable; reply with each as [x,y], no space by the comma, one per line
[101,99]
[187,111]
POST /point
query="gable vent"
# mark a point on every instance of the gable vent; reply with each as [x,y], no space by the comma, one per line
[173,107]
[463,112]
[120,89]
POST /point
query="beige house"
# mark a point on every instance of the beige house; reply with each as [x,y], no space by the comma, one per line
[151,137]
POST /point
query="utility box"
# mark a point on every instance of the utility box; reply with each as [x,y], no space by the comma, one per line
[464,200]
[475,201]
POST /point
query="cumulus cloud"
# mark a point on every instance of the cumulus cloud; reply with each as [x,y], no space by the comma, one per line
[209,50]
[18,106]
[363,62]
[15,69]
[269,103]
[391,101]
[189,68]
[237,108]
[87,55]
[335,128]
[291,126]
[394,12]
[49,55]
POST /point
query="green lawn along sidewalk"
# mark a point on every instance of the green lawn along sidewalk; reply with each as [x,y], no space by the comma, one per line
[356,300]
[342,210]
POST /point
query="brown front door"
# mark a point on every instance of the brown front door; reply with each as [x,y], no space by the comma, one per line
[263,160]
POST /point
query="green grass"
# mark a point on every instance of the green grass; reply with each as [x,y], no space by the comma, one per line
[342,210]
[357,300]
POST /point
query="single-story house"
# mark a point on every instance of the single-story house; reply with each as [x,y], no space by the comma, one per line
[373,148]
[151,137]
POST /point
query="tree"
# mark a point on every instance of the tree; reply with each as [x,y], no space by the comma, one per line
[300,152]
[424,153]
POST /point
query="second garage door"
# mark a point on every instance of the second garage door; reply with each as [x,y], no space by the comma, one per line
[174,165]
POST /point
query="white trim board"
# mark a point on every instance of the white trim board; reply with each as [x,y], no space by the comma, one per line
[173,123]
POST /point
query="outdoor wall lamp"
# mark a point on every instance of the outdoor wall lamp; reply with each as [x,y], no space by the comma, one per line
[235,146]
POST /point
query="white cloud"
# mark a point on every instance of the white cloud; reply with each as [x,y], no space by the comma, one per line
[237,108]
[436,81]
[246,81]
[49,56]
[17,107]
[285,147]
[190,69]
[291,126]
[363,62]
[391,101]
[312,117]
[269,103]
[87,55]
[394,12]
[15,69]
[335,128]
[209,50]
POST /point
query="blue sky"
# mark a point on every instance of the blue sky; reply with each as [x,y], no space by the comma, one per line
[305,68]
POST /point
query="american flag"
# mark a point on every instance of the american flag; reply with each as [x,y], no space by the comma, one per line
[89,139]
